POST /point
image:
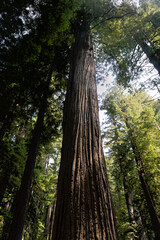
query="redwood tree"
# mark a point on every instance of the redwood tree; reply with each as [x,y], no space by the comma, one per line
[22,196]
[133,130]
[84,207]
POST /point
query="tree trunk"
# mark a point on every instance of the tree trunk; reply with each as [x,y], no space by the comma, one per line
[84,207]
[133,212]
[127,193]
[129,202]
[4,179]
[153,58]
[50,236]
[122,160]
[48,221]
[22,197]
[147,192]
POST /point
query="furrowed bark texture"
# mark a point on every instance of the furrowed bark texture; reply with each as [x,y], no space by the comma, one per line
[84,206]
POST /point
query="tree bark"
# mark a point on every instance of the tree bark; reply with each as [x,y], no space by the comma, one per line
[84,208]
[50,236]
[48,221]
[22,197]
[153,58]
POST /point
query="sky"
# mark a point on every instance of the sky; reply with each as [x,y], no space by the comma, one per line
[108,81]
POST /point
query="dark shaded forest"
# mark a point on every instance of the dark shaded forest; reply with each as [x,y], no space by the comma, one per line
[56,183]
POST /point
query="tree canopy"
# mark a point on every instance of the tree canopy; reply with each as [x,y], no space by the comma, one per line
[47,58]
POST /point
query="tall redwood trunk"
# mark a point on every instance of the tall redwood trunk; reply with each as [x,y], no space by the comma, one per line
[84,206]
[22,197]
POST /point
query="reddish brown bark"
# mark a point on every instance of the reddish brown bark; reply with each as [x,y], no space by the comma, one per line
[84,206]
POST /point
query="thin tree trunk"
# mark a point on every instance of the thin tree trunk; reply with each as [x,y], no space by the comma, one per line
[50,236]
[134,215]
[48,220]
[4,179]
[127,193]
[129,202]
[153,58]
[22,197]
[147,192]
[84,207]
[122,160]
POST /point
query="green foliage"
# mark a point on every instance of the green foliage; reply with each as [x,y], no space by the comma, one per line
[132,117]
[29,46]
[121,41]
[43,189]
[25,60]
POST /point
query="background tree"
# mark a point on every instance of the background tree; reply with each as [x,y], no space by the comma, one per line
[130,44]
[36,62]
[46,31]
[141,127]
